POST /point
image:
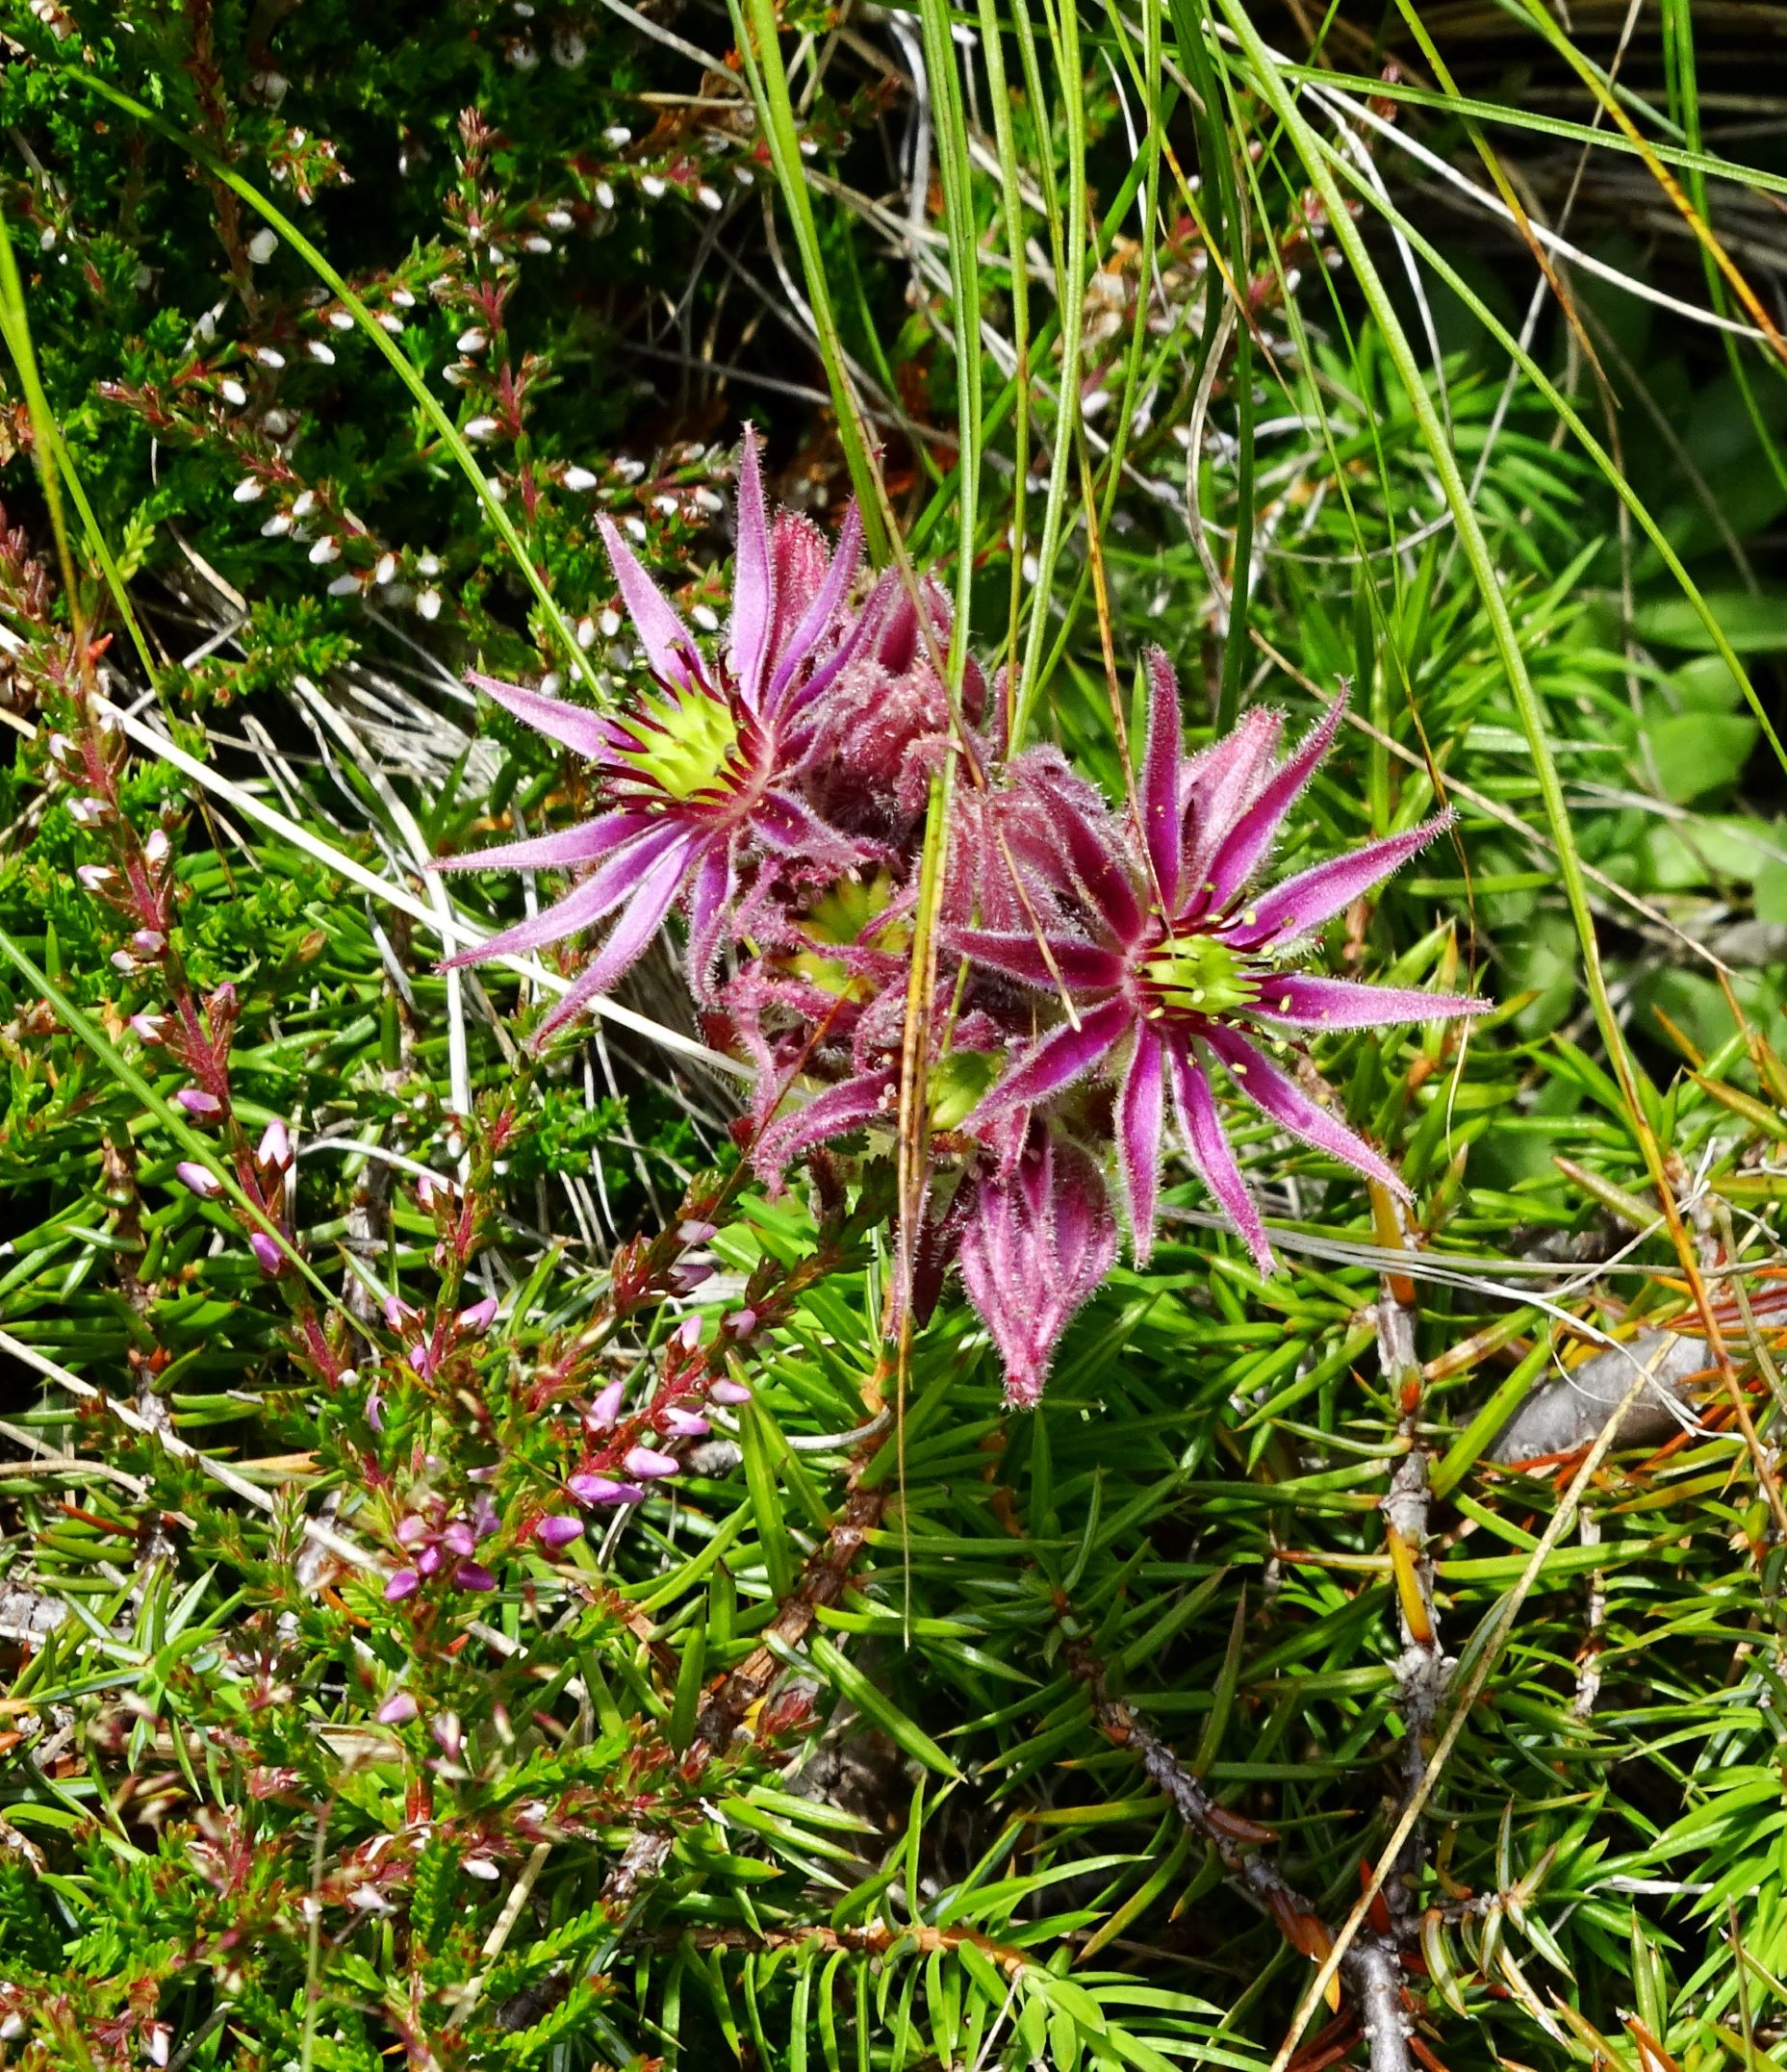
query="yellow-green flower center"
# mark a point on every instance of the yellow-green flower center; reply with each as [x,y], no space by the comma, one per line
[685,743]
[1198,975]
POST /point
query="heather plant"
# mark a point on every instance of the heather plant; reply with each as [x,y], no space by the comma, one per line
[891,979]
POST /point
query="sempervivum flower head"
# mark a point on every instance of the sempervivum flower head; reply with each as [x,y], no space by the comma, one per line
[1187,965]
[705,768]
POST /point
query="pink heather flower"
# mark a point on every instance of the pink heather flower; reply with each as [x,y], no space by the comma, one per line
[403,1584]
[478,1318]
[400,1708]
[275,1147]
[267,1252]
[197,1102]
[399,1314]
[149,1028]
[555,1530]
[204,1184]
[643,1464]
[474,1575]
[600,1489]
[602,1412]
[1192,968]
[1034,1245]
[729,1393]
[704,769]
[685,1423]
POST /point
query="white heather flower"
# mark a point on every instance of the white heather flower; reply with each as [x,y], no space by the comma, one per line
[523,55]
[711,499]
[577,478]
[536,243]
[495,255]
[388,321]
[345,586]
[403,298]
[479,427]
[472,340]
[429,604]
[552,683]
[457,374]
[560,220]
[610,622]
[232,391]
[248,489]
[279,523]
[586,632]
[637,528]
[744,175]
[263,246]
[276,423]
[619,136]
[652,187]
[569,49]
[706,617]
[304,503]
[499,491]
[628,470]
[320,351]
[709,198]
[86,812]
[387,568]
[669,506]
[340,319]
[326,551]
[429,565]
[605,194]
[156,848]
[268,357]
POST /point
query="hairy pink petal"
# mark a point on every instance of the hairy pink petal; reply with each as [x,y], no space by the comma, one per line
[668,649]
[1082,967]
[1221,784]
[754,581]
[587,843]
[849,1106]
[1318,1003]
[1247,841]
[1099,867]
[710,900]
[781,822]
[1162,823]
[1314,896]
[1063,1056]
[584,905]
[1213,1154]
[1141,1106]
[578,729]
[640,919]
[821,612]
[1277,1095]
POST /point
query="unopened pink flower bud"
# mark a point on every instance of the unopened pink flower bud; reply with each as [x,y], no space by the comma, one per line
[644,1464]
[478,1318]
[685,1423]
[149,1028]
[399,1709]
[430,1560]
[398,1312]
[606,1407]
[459,1538]
[96,876]
[197,1102]
[445,1729]
[730,1393]
[741,1324]
[696,1233]
[412,1529]
[403,1584]
[156,848]
[148,942]
[267,1252]
[203,1182]
[557,1530]
[688,1334]
[597,1490]
[275,1146]
[474,1575]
